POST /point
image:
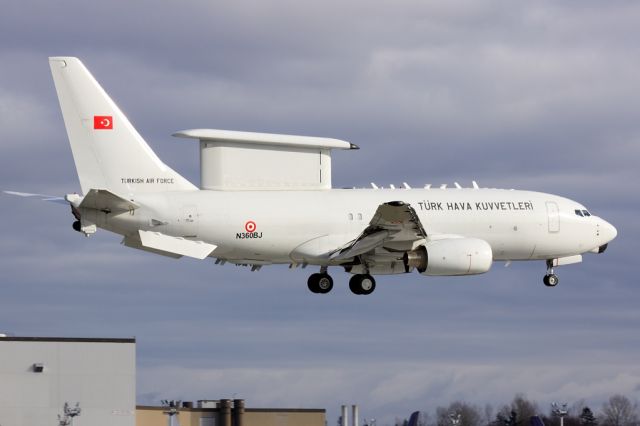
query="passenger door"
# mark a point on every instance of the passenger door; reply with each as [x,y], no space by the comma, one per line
[554,216]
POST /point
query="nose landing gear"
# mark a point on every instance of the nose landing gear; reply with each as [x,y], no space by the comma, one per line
[551,279]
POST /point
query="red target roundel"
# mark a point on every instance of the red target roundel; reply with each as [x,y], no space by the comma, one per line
[250,226]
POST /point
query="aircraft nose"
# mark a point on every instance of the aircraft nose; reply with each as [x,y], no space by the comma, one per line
[607,231]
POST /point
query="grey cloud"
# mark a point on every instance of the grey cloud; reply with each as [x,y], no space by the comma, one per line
[534,96]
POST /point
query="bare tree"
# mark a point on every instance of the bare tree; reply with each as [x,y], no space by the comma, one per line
[424,419]
[576,408]
[506,417]
[488,414]
[401,422]
[524,407]
[619,411]
[469,414]
[517,413]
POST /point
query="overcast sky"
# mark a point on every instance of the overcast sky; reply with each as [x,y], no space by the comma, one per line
[531,95]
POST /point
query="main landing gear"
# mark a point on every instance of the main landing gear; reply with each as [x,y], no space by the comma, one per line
[551,279]
[322,283]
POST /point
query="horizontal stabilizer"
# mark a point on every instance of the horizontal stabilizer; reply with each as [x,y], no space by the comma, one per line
[134,242]
[167,243]
[107,201]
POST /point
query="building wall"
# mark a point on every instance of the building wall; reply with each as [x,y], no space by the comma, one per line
[285,418]
[97,373]
[152,416]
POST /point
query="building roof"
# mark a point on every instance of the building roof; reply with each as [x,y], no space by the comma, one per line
[66,339]
[247,410]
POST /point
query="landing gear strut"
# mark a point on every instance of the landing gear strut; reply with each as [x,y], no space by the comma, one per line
[321,283]
[362,284]
[551,279]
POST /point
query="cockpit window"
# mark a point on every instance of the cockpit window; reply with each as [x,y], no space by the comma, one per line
[582,213]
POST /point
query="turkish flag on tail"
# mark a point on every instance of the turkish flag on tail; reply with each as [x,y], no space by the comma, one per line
[103,122]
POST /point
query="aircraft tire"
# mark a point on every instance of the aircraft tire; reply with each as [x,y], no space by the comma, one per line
[550,280]
[354,284]
[312,283]
[362,284]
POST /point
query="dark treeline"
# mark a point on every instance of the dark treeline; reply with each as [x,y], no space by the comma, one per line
[616,411]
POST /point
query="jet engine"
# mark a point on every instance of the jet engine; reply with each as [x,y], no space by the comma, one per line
[451,256]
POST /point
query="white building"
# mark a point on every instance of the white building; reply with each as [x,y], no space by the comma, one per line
[39,374]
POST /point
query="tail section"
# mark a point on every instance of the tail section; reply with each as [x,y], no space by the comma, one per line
[414,420]
[108,151]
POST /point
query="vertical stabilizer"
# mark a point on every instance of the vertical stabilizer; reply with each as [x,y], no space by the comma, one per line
[414,420]
[108,151]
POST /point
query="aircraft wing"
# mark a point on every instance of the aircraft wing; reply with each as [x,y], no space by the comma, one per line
[50,198]
[395,227]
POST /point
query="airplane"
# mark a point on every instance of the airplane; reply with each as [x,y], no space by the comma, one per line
[415,419]
[267,199]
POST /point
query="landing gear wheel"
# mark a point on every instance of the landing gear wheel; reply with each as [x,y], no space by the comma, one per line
[367,284]
[550,280]
[362,284]
[320,283]
[324,283]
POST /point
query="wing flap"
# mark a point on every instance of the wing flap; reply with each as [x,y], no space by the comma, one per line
[362,245]
[180,246]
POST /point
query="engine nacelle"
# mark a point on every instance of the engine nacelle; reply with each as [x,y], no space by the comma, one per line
[451,256]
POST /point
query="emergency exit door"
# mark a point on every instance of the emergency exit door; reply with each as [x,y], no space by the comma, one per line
[189,221]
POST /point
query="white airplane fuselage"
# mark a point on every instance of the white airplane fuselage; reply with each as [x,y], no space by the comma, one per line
[518,225]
